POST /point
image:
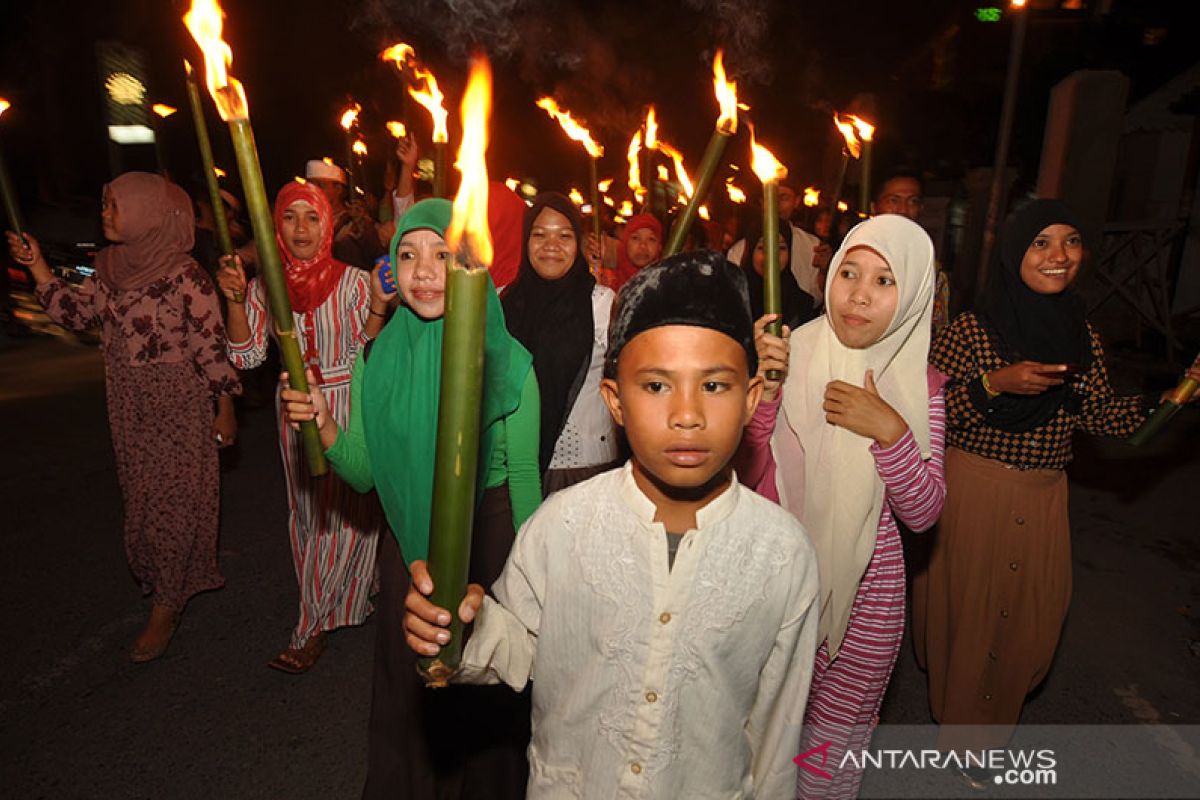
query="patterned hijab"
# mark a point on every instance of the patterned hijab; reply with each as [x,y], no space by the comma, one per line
[309,281]
[157,228]
[842,495]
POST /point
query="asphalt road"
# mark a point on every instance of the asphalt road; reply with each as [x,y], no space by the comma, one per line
[210,720]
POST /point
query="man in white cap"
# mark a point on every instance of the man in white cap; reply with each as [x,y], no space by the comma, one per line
[355,239]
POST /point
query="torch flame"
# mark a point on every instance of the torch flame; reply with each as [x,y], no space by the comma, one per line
[350,116]
[663,175]
[726,96]
[841,206]
[627,208]
[576,196]
[735,192]
[604,185]
[812,196]
[470,216]
[572,128]
[704,213]
[651,129]
[220,173]
[163,110]
[635,172]
[204,22]
[430,97]
[853,145]
[512,183]
[681,174]
[359,147]
[865,130]
[4,105]
[764,163]
[397,129]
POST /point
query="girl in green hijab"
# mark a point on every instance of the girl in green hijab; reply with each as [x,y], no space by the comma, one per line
[417,746]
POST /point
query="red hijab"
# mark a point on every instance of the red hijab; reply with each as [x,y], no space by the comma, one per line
[157,228]
[506,215]
[309,281]
[626,268]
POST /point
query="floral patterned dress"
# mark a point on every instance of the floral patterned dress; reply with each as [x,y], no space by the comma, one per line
[164,358]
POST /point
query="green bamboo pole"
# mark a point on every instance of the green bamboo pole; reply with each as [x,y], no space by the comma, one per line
[864,186]
[456,462]
[708,169]
[1163,414]
[772,298]
[271,269]
[439,169]
[224,240]
[350,181]
[593,174]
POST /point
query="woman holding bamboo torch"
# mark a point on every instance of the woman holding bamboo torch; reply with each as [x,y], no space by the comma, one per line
[162,337]
[336,310]
[558,312]
[415,746]
[1026,371]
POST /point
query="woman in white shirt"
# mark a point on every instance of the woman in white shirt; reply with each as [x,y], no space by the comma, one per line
[558,312]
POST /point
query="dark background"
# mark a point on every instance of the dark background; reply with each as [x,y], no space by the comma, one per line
[929,73]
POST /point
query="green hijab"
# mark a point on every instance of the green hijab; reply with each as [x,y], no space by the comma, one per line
[401,384]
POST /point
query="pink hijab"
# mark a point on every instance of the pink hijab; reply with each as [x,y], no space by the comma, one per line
[156,222]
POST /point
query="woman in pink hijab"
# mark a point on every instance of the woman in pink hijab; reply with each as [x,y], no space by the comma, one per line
[169,386]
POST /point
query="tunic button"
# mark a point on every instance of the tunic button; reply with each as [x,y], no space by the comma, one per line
[992,655]
[1020,520]
[1004,613]
[651,697]
[987,697]
[1012,565]
[664,617]
[635,768]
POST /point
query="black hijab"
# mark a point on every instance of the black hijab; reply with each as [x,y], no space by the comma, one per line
[1028,326]
[798,306]
[553,319]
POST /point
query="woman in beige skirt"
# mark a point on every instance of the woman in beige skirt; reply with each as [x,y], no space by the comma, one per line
[1026,371]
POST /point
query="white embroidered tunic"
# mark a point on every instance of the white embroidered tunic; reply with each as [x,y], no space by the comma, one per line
[649,681]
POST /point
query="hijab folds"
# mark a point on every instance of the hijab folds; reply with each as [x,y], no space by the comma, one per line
[626,269]
[554,321]
[157,227]
[842,496]
[309,281]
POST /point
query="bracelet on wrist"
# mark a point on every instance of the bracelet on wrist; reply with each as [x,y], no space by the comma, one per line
[987,386]
[374,313]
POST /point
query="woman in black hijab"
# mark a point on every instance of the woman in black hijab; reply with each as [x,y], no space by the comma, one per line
[798,306]
[1026,370]
[557,311]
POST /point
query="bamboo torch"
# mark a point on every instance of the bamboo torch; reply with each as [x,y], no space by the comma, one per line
[1176,400]
[11,207]
[205,23]
[726,127]
[852,149]
[866,133]
[579,133]
[770,172]
[635,172]
[348,120]
[457,455]
[162,111]
[224,240]
[403,56]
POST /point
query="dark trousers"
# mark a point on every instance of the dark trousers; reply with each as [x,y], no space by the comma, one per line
[457,743]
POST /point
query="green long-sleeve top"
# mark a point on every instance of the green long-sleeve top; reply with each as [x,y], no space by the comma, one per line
[514,460]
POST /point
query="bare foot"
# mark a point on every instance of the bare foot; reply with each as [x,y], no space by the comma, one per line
[154,638]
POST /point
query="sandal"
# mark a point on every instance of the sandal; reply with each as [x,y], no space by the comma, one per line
[153,640]
[298,660]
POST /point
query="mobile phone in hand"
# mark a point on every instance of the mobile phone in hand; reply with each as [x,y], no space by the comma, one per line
[386,279]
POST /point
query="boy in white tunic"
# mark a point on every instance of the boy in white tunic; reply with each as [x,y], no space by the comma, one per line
[666,614]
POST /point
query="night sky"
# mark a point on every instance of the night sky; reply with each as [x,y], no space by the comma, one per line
[928,72]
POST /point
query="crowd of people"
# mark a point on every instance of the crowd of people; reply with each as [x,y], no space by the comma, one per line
[686,565]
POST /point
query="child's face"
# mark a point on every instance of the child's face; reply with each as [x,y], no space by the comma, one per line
[301,230]
[862,298]
[683,395]
[421,258]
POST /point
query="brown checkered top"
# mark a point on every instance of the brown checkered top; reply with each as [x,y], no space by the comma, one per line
[964,351]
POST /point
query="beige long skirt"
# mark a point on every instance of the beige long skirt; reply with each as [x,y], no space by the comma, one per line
[988,611]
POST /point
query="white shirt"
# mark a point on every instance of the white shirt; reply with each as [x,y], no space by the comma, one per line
[589,437]
[807,276]
[651,682]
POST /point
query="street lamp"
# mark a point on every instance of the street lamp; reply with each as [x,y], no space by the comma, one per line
[1003,138]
